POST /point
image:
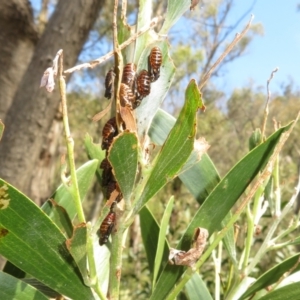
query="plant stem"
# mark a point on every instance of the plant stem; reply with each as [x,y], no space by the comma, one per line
[249,238]
[267,242]
[217,262]
[115,265]
[116,246]
[75,188]
[252,221]
[70,144]
[277,188]
[266,110]
[91,261]
[295,224]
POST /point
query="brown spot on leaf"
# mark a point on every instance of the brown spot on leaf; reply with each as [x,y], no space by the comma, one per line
[3,232]
[4,197]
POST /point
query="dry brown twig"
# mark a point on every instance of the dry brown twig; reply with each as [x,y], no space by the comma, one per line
[124,11]
[266,111]
[101,59]
[189,258]
[47,80]
[237,38]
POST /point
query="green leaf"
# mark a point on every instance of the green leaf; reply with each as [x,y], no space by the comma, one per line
[61,218]
[255,138]
[150,104]
[288,292]
[123,156]
[218,204]
[229,240]
[102,256]
[232,186]
[273,275]
[200,177]
[197,289]
[124,33]
[150,232]
[77,247]
[94,151]
[177,147]
[85,175]
[161,238]
[13,288]
[1,129]
[32,242]
[143,19]
[176,8]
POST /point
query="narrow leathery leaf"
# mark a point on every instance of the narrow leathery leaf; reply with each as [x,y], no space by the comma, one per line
[231,187]
[242,287]
[33,243]
[177,147]
[288,292]
[123,156]
[161,238]
[94,151]
[1,129]
[200,148]
[255,138]
[150,232]
[124,33]
[202,177]
[220,201]
[77,247]
[13,288]
[161,126]
[273,275]
[229,240]
[85,175]
[196,288]
[176,8]
[143,19]
[150,104]
[60,217]
[269,194]
[102,256]
[200,180]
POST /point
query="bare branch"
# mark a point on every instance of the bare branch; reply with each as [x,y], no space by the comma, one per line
[101,59]
[124,11]
[237,38]
[266,111]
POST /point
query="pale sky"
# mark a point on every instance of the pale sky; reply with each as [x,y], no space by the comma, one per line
[279,47]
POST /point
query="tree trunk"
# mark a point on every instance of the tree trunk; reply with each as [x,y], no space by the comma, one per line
[31,114]
[18,37]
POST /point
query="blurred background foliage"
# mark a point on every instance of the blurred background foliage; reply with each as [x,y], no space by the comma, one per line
[227,123]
